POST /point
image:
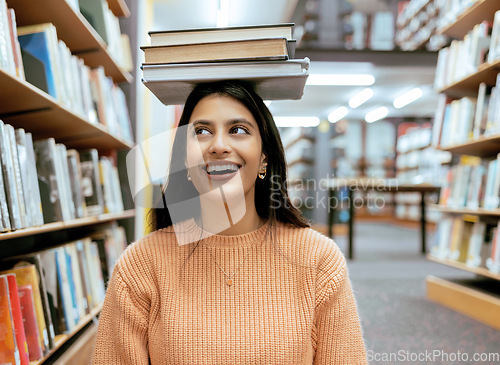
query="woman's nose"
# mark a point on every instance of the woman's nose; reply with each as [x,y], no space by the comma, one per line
[220,144]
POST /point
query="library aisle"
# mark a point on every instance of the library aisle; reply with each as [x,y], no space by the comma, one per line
[388,277]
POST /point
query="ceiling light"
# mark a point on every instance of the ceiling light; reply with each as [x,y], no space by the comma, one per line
[337,114]
[360,98]
[340,79]
[376,114]
[268,102]
[296,121]
[407,98]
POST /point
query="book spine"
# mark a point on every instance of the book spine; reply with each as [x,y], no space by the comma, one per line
[35,349]
[9,353]
[17,317]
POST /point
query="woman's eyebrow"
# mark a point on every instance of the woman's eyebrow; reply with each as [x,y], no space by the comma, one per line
[202,122]
[241,121]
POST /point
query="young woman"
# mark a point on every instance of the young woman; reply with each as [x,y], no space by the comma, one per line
[232,274]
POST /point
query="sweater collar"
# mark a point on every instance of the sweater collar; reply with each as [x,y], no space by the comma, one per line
[189,231]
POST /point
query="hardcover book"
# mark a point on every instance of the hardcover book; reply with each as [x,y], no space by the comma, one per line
[201,35]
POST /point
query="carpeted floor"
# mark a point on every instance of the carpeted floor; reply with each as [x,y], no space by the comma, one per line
[400,325]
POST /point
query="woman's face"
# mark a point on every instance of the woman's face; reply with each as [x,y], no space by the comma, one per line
[224,147]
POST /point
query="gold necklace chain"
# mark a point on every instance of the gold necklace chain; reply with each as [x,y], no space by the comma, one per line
[229,280]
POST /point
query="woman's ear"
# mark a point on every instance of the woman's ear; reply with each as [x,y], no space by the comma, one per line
[263,159]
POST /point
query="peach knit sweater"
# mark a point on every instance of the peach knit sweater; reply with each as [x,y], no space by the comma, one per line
[293,305]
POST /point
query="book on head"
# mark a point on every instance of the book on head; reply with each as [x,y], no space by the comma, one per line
[201,35]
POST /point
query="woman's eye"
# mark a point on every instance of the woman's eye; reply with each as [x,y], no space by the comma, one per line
[200,131]
[239,130]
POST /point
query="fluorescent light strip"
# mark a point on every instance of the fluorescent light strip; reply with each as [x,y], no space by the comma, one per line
[268,102]
[360,98]
[337,114]
[376,114]
[408,98]
[296,121]
[340,79]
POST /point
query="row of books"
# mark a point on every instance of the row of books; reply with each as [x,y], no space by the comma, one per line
[463,58]
[35,54]
[43,182]
[473,183]
[461,120]
[177,60]
[468,240]
[451,10]
[48,293]
[103,20]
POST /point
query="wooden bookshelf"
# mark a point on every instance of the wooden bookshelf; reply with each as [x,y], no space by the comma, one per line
[301,137]
[73,29]
[60,340]
[479,212]
[75,223]
[469,85]
[479,11]
[25,106]
[459,265]
[119,8]
[476,304]
[484,146]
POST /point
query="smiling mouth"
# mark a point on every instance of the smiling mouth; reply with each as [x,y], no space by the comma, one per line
[221,171]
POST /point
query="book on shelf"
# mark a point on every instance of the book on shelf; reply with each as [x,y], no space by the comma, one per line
[273,80]
[468,118]
[463,57]
[9,179]
[27,275]
[493,257]
[21,198]
[7,61]
[75,178]
[494,53]
[28,260]
[38,46]
[265,49]
[9,352]
[27,164]
[465,239]
[17,319]
[16,48]
[202,35]
[31,330]
[91,182]
[107,25]
[50,181]
[111,243]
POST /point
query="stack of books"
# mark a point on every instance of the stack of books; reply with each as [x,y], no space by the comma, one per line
[178,60]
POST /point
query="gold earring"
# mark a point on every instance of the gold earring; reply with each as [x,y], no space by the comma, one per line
[188,176]
[262,175]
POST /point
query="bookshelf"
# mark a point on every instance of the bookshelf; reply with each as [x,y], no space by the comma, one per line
[475,14]
[484,146]
[62,339]
[468,297]
[23,105]
[468,85]
[73,29]
[59,226]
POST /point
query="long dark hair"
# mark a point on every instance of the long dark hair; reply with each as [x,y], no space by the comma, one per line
[271,197]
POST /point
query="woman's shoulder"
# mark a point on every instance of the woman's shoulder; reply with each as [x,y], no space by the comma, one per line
[155,246]
[309,246]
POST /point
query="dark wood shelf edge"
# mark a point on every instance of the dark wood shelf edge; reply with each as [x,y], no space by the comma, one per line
[461,266]
[119,8]
[485,68]
[66,337]
[57,226]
